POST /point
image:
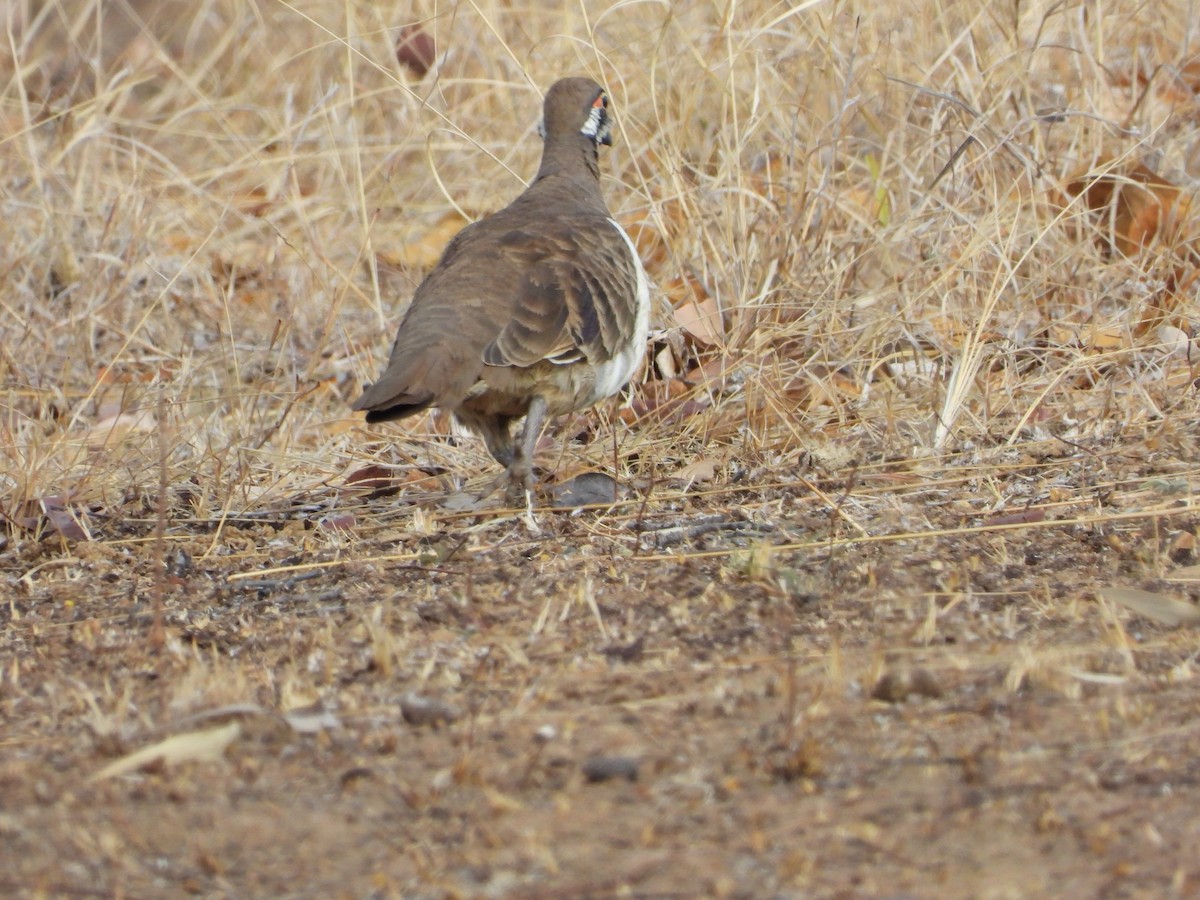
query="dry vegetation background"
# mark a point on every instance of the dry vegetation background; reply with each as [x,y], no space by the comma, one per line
[898,601]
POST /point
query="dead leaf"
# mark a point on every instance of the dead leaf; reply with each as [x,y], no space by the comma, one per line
[375,481]
[701,471]
[1024,517]
[246,265]
[1161,310]
[1176,85]
[194,746]
[772,172]
[820,385]
[1135,206]
[666,401]
[649,241]
[696,312]
[664,363]
[1174,341]
[115,430]
[1157,607]
[415,48]
[62,519]
[1183,547]
[1090,339]
[371,476]
[338,522]
[137,372]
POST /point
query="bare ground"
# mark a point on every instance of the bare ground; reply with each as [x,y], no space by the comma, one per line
[954,715]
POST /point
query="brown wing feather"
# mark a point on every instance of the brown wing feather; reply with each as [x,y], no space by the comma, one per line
[538,324]
[575,299]
[437,354]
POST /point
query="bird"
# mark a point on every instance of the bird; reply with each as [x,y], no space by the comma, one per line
[535,311]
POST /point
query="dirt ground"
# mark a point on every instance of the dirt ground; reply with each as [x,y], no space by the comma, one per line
[646,700]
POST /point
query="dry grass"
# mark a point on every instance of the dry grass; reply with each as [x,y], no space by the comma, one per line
[937,416]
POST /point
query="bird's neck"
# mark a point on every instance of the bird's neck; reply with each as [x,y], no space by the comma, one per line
[576,158]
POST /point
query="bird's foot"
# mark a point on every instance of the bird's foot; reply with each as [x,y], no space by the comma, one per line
[520,493]
[520,482]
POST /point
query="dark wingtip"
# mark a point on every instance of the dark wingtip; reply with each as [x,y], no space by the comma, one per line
[392,411]
[360,404]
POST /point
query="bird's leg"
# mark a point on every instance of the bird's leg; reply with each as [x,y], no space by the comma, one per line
[496,432]
[520,470]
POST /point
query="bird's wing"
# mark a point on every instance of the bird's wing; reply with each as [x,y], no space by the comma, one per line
[575,298]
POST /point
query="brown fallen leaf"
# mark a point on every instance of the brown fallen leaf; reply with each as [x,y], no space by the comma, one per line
[696,311]
[700,471]
[820,385]
[1162,309]
[1135,206]
[137,372]
[115,430]
[416,50]
[374,480]
[1157,607]
[62,519]
[1177,85]
[771,172]
[1183,547]
[311,719]
[1187,573]
[194,746]
[650,243]
[338,522]
[664,401]
[372,476]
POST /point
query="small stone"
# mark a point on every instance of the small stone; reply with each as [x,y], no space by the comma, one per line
[630,652]
[924,684]
[588,489]
[892,687]
[418,710]
[606,768]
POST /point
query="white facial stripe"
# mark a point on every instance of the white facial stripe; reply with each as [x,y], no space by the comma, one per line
[591,127]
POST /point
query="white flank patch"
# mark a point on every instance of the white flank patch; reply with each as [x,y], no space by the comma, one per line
[612,376]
